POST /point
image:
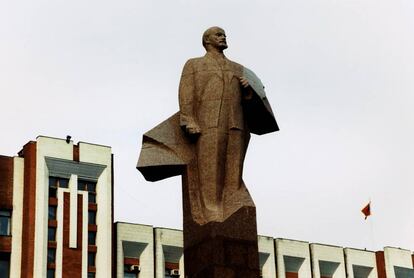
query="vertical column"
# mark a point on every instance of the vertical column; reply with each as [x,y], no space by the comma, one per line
[29,210]
[59,234]
[84,234]
[72,257]
[73,219]
[6,206]
[17,218]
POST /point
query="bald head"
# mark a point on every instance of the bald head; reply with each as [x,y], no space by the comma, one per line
[214,37]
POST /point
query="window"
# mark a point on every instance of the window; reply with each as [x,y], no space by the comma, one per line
[91,197]
[52,213]
[91,238]
[129,272]
[4,264]
[170,273]
[5,220]
[292,265]
[327,268]
[55,183]
[51,234]
[50,273]
[51,255]
[91,258]
[89,186]
[92,217]
[362,271]
[91,275]
[172,270]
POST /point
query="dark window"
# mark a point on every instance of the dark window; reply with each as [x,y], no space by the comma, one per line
[52,192]
[5,221]
[131,271]
[89,186]
[362,271]
[50,273]
[91,258]
[51,254]
[82,185]
[52,213]
[92,217]
[4,264]
[51,234]
[92,197]
[92,186]
[91,275]
[167,275]
[91,238]
[52,181]
[55,183]
[400,272]
[64,183]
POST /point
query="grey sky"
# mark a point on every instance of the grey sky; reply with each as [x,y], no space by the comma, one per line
[338,73]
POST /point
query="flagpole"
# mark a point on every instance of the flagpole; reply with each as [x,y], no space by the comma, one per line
[366,210]
[371,227]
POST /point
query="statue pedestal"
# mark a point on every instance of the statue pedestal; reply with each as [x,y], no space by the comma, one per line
[222,249]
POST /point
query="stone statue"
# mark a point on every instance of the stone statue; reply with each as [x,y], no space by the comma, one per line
[221,102]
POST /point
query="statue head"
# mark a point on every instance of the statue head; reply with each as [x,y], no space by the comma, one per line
[214,38]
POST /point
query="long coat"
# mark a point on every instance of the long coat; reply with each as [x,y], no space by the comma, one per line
[210,89]
[210,97]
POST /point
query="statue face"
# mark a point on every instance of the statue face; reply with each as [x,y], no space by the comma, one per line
[217,38]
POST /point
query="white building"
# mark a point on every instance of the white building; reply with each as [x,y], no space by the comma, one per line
[57,210]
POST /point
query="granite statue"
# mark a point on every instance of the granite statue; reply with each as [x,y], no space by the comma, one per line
[221,103]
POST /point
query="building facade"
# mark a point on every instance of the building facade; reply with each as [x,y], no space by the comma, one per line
[279,258]
[56,210]
[56,220]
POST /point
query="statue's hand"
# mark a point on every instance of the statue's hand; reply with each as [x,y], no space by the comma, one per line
[189,126]
[248,91]
[244,82]
[193,129]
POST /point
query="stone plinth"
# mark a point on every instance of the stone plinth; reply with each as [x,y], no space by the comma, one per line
[222,249]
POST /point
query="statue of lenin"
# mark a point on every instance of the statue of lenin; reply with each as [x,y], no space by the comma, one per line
[221,103]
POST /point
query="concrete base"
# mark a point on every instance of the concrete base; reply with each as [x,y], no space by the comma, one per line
[222,249]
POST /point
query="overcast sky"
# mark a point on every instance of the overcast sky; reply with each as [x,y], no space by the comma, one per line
[338,73]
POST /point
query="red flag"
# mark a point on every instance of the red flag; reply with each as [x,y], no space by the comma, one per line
[367,210]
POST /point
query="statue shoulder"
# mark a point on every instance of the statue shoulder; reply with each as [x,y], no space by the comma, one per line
[191,64]
[194,60]
[235,65]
